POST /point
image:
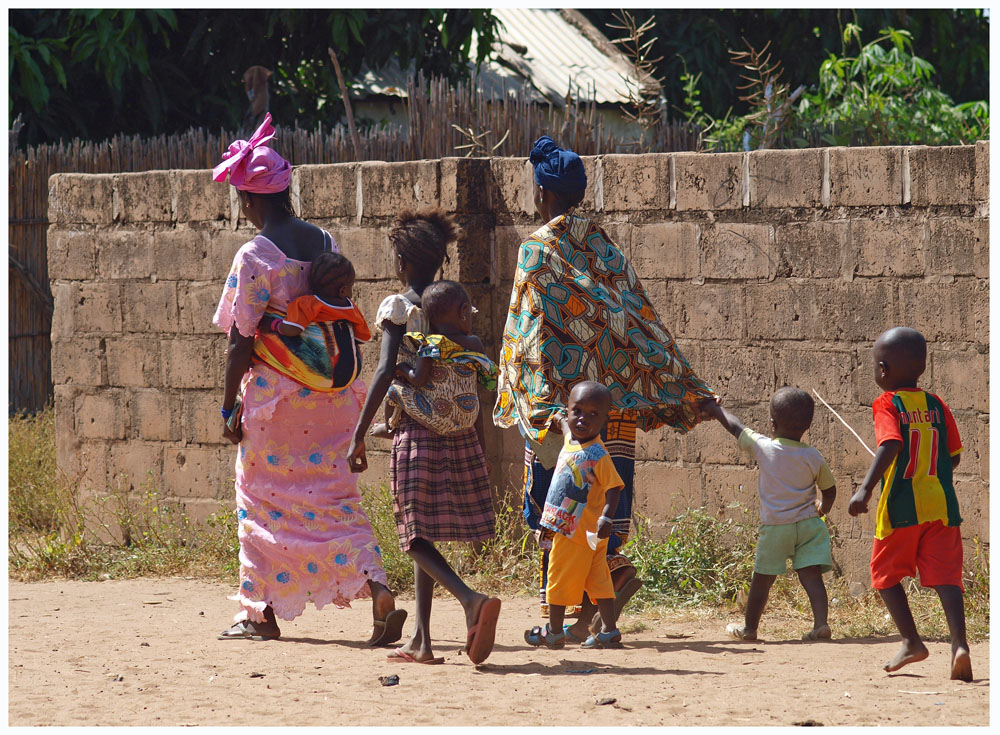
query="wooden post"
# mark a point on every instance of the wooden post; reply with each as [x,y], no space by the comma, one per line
[347,106]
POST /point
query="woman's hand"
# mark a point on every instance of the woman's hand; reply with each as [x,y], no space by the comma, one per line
[234,437]
[357,459]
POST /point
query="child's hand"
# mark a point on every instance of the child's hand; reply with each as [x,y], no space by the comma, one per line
[859,502]
[603,527]
[708,408]
[382,431]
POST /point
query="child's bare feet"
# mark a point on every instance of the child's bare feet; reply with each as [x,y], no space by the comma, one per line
[381,431]
[740,633]
[909,653]
[961,664]
[820,632]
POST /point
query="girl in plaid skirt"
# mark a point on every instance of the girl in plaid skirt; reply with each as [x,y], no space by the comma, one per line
[440,482]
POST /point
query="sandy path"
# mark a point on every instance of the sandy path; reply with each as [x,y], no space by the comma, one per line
[69,641]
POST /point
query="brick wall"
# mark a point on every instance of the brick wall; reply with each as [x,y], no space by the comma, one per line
[771,268]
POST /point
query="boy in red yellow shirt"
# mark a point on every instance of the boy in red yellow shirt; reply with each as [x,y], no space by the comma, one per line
[917,521]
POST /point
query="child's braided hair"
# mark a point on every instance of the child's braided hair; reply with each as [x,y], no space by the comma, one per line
[422,238]
[327,268]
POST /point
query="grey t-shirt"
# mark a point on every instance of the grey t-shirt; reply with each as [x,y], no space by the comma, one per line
[790,472]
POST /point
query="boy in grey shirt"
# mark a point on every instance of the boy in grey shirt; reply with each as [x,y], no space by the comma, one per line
[790,523]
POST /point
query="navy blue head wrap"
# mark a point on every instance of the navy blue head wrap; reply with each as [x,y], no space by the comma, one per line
[556,169]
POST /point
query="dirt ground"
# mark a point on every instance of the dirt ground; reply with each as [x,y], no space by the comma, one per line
[144,652]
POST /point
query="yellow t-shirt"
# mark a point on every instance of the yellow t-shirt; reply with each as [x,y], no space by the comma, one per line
[583,475]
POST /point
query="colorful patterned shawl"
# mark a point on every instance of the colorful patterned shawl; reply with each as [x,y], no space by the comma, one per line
[312,357]
[578,312]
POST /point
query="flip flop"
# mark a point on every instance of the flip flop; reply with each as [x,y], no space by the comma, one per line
[611,639]
[739,632]
[817,634]
[480,637]
[622,597]
[399,656]
[389,630]
[245,631]
[571,635]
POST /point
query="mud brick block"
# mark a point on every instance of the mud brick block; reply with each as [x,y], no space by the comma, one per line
[708,311]
[135,466]
[223,246]
[192,362]
[744,374]
[388,188]
[88,468]
[156,415]
[196,198]
[866,176]
[466,185]
[968,429]
[593,197]
[369,250]
[71,253]
[983,443]
[952,312]
[633,182]
[665,250]
[981,184]
[133,361]
[726,487]
[942,175]
[960,377]
[813,249]
[81,198]
[734,250]
[183,254]
[124,254]
[101,415]
[786,178]
[199,510]
[981,248]
[143,197]
[97,307]
[327,190]
[860,310]
[708,181]
[843,452]
[150,307]
[197,302]
[888,247]
[513,179]
[64,404]
[202,423]
[974,506]
[195,472]
[827,371]
[708,444]
[658,445]
[863,386]
[664,491]
[78,361]
[954,244]
[62,309]
[472,256]
[507,241]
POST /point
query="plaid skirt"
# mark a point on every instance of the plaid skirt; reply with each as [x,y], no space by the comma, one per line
[441,491]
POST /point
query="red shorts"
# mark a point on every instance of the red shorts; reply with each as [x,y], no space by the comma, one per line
[933,549]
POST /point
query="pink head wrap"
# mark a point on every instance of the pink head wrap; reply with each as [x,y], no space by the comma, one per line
[252,166]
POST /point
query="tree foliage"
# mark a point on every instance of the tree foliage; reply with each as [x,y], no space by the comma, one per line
[95,73]
[956,42]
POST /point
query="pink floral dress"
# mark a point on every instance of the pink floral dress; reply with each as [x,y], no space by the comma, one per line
[302,531]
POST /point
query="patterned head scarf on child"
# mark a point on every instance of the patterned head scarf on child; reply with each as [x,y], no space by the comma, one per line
[252,166]
[557,169]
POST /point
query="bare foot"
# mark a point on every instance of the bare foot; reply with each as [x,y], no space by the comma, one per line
[820,632]
[961,664]
[472,611]
[909,653]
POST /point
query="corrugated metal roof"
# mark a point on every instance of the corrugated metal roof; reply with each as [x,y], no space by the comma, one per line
[551,52]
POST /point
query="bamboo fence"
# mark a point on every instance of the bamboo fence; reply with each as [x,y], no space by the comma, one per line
[504,127]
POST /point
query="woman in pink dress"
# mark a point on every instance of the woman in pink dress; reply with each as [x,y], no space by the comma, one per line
[302,531]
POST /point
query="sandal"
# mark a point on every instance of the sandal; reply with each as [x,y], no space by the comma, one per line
[740,633]
[245,630]
[611,639]
[389,630]
[571,635]
[539,636]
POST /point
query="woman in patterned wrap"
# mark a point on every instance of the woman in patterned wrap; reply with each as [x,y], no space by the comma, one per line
[302,531]
[579,312]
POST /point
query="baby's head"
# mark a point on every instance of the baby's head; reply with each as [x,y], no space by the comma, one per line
[900,357]
[791,412]
[447,307]
[588,409]
[331,277]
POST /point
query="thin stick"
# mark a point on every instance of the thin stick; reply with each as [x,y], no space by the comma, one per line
[845,424]
[347,106]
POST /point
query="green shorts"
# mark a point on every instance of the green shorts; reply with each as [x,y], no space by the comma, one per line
[806,542]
